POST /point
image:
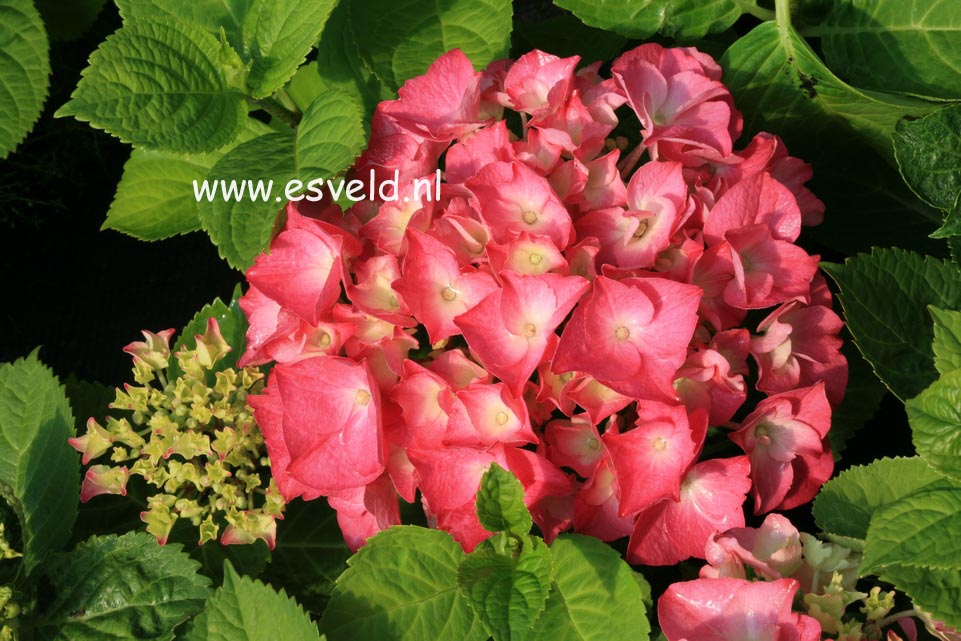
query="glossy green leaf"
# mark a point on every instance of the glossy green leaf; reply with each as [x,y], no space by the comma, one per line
[910,46]
[935,417]
[680,19]
[39,471]
[947,339]
[246,610]
[399,39]
[595,596]
[160,84]
[507,591]
[846,503]
[402,586]
[233,327]
[885,297]
[500,503]
[122,588]
[211,15]
[935,591]
[330,136]
[24,73]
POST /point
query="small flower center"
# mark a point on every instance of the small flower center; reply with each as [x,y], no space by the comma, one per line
[530,330]
[449,293]
[659,444]
[535,259]
[324,339]
[362,397]
[501,418]
[622,333]
[641,230]
[592,443]
[529,216]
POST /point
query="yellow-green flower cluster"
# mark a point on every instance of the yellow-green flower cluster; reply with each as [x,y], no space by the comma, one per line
[191,436]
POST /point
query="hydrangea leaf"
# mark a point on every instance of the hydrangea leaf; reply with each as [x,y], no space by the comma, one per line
[947,339]
[210,15]
[500,503]
[160,84]
[564,35]
[595,596]
[242,227]
[918,530]
[233,327]
[399,39]
[25,72]
[933,590]
[113,588]
[910,47]
[341,68]
[155,198]
[507,591]
[680,19]
[310,553]
[885,295]
[928,152]
[846,503]
[935,417]
[246,610]
[402,586]
[278,35]
[330,136]
[781,85]
[39,471]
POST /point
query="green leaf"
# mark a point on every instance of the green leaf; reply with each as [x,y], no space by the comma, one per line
[233,327]
[340,67]
[68,19]
[399,39]
[160,84]
[846,503]
[507,592]
[247,610]
[25,72]
[909,47]
[39,471]
[947,339]
[241,229]
[305,86]
[680,19]
[935,591]
[928,152]
[919,530]
[595,596]
[155,198]
[330,136]
[782,84]
[564,35]
[500,503]
[278,35]
[885,296]
[935,417]
[121,588]
[310,553]
[402,586]
[210,15]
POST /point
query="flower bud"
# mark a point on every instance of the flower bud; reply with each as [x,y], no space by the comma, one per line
[103,479]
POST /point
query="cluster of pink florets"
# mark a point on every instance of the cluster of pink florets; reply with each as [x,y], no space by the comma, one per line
[570,309]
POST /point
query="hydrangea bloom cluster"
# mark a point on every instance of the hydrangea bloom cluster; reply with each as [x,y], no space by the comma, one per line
[571,308]
[191,437]
[757,578]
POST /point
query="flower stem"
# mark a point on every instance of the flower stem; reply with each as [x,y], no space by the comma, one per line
[278,111]
[782,10]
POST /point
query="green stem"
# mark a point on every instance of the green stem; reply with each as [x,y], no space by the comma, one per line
[278,111]
[760,13]
[888,620]
[782,10]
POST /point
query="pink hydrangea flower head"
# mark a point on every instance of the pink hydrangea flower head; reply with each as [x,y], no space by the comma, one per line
[364,511]
[786,440]
[734,610]
[539,83]
[773,550]
[574,443]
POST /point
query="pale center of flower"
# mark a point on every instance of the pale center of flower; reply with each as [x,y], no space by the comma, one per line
[530,330]
[621,333]
[362,397]
[392,302]
[501,418]
[323,339]
[642,228]
[659,444]
[535,259]
[529,216]
[566,376]
[449,293]
[592,443]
